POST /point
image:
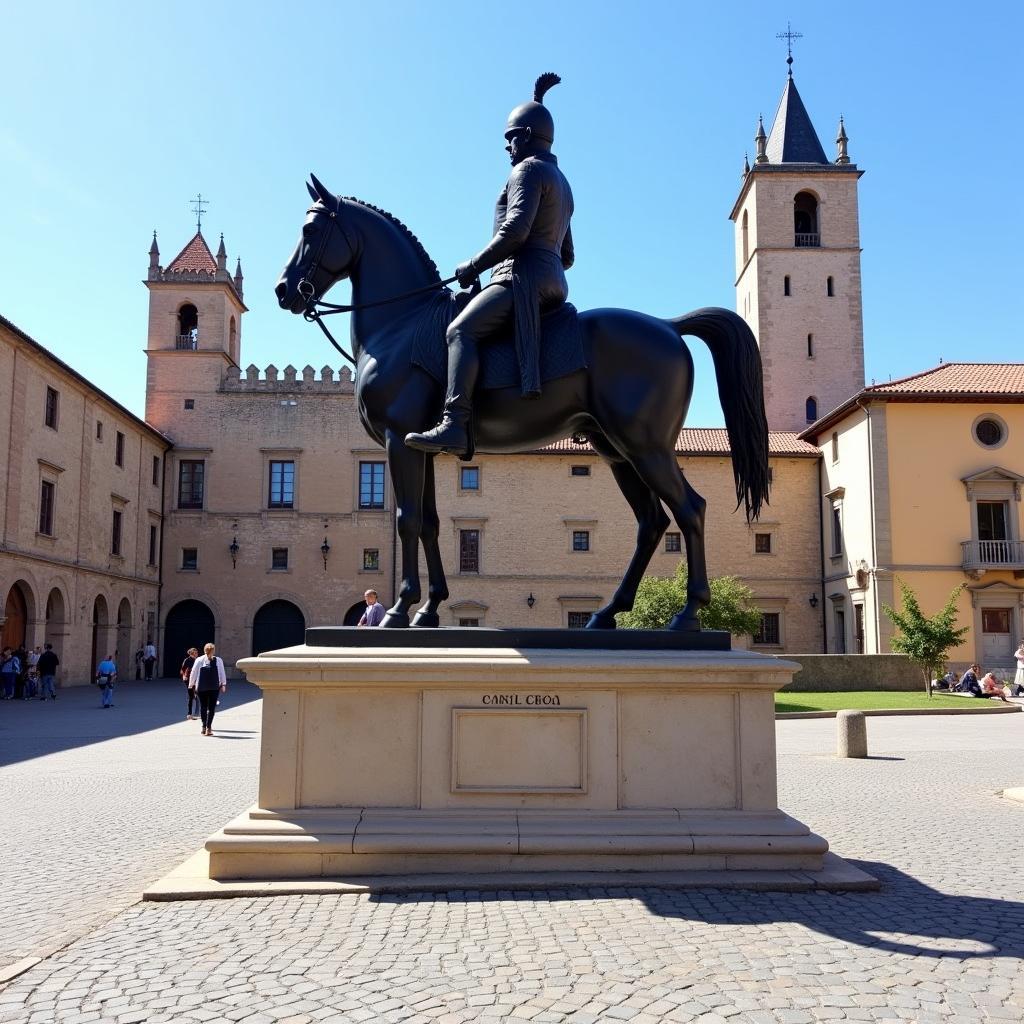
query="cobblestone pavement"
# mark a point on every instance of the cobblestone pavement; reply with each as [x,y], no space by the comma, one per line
[97,804]
[943,942]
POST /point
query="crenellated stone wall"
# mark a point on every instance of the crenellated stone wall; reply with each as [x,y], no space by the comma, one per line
[288,379]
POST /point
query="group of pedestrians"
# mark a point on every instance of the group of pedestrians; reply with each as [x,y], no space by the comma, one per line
[205,680]
[28,674]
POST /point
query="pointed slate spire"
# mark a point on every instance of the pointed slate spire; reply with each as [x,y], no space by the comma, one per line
[841,140]
[154,254]
[238,277]
[760,140]
[793,139]
[222,255]
[746,166]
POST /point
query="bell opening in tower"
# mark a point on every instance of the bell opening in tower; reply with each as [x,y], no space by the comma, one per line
[805,221]
[188,328]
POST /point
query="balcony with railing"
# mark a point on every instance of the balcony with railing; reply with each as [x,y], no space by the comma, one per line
[808,240]
[188,342]
[979,555]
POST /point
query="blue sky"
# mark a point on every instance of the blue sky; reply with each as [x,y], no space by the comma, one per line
[116,114]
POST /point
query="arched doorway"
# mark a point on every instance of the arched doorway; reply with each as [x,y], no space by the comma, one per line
[354,614]
[55,616]
[15,630]
[100,628]
[123,654]
[189,624]
[277,624]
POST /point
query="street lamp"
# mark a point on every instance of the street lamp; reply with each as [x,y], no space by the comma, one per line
[813,600]
[531,600]
[233,549]
[325,550]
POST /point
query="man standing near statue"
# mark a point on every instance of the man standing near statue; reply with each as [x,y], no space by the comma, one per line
[529,253]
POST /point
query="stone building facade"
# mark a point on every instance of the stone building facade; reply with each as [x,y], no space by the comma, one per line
[82,506]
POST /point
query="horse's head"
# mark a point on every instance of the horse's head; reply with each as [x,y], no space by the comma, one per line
[323,256]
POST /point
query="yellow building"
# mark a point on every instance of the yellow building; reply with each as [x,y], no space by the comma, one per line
[921,482]
[81,498]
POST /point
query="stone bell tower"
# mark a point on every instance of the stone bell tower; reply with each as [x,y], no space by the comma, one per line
[195,326]
[798,281]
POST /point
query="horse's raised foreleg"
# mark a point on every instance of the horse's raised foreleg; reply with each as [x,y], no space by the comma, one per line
[407,474]
[650,526]
[437,585]
[661,472]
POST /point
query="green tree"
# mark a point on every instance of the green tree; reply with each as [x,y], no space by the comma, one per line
[926,641]
[658,598]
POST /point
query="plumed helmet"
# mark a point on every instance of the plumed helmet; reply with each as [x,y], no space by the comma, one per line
[535,115]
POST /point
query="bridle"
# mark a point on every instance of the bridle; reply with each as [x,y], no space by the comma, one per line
[316,309]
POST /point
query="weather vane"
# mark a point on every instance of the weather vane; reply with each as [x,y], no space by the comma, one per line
[197,208]
[789,35]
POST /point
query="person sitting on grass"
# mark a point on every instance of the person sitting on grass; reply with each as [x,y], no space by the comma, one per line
[969,682]
[992,687]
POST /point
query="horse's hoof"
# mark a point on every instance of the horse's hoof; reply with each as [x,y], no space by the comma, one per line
[601,620]
[426,620]
[683,623]
[395,620]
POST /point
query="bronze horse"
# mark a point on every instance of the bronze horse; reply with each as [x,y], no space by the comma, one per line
[629,402]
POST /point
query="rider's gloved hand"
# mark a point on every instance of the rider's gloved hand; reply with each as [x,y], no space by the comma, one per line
[466,274]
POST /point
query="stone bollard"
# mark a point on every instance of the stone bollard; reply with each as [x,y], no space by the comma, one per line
[851,734]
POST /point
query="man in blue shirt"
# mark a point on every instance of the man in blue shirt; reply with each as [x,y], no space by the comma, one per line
[106,675]
[374,614]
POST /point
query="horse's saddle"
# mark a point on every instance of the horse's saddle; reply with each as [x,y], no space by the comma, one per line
[561,352]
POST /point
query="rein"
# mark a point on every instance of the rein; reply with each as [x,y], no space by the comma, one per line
[317,309]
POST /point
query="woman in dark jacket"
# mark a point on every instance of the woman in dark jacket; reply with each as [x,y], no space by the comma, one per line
[186,673]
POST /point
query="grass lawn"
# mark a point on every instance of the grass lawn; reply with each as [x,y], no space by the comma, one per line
[871,700]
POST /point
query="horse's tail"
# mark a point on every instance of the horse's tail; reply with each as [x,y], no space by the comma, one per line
[741,391]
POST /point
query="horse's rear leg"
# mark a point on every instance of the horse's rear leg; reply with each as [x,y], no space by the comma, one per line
[661,472]
[437,585]
[407,473]
[651,522]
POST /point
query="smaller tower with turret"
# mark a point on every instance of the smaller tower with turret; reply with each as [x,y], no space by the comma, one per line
[195,325]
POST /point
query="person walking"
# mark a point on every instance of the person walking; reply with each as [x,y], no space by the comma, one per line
[149,658]
[106,676]
[186,675]
[48,662]
[374,614]
[10,668]
[32,676]
[209,679]
[21,683]
[1017,689]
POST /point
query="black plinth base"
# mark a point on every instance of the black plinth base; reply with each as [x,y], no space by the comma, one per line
[550,639]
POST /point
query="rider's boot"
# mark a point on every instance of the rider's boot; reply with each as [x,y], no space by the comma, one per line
[454,433]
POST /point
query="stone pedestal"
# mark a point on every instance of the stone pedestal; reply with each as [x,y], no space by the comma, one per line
[489,763]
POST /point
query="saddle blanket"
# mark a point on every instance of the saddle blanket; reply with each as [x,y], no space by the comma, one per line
[561,352]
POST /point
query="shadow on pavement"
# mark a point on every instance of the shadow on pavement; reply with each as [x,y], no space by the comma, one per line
[34,728]
[905,917]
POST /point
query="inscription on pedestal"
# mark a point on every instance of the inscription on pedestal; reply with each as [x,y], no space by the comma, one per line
[521,699]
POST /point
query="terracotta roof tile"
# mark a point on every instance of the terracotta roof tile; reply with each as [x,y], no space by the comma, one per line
[195,256]
[708,441]
[948,382]
[958,379]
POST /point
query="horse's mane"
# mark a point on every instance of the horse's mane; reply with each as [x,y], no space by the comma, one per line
[391,218]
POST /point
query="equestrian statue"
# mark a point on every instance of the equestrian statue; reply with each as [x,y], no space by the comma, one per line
[513,366]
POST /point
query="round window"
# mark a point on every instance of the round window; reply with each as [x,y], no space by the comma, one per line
[989,432]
